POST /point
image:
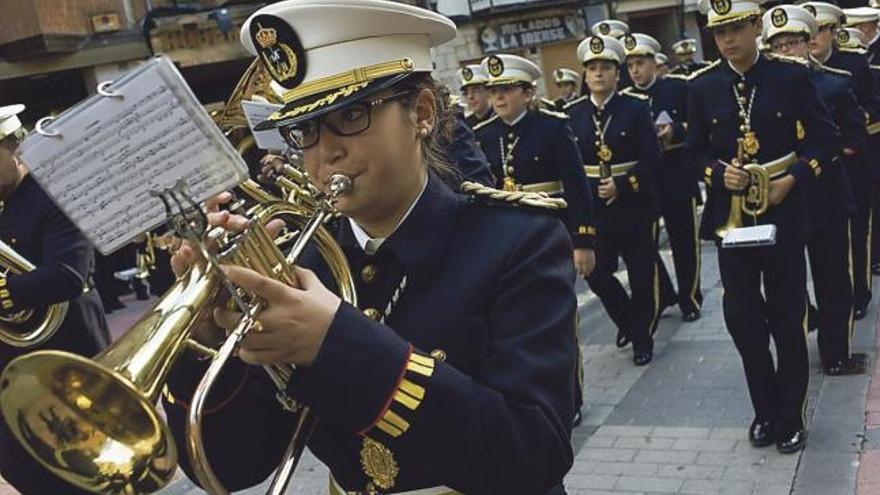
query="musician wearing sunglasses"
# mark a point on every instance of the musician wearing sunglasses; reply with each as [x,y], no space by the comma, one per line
[35,229]
[455,372]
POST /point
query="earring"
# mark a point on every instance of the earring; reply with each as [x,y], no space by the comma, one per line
[423,132]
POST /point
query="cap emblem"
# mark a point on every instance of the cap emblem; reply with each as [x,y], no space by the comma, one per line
[279,49]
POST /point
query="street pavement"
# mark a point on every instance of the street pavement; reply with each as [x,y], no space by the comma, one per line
[678,426]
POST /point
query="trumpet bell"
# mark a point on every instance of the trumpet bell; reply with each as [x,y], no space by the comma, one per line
[87,423]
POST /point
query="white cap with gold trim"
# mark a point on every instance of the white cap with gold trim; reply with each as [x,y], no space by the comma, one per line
[564,75]
[851,38]
[472,75]
[610,27]
[861,15]
[721,12]
[661,58]
[788,19]
[685,46]
[826,14]
[328,53]
[640,44]
[9,121]
[598,47]
[504,69]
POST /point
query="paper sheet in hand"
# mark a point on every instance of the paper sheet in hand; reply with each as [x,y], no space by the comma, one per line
[663,119]
[256,112]
[111,152]
[759,235]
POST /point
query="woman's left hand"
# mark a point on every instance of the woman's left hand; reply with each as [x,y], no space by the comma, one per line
[294,320]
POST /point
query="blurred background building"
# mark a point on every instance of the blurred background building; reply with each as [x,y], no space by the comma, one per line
[53,53]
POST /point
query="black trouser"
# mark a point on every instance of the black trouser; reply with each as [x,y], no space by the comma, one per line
[875,224]
[860,228]
[637,314]
[778,392]
[679,213]
[831,266]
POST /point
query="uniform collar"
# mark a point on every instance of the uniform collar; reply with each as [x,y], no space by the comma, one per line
[518,119]
[371,244]
[607,101]
[420,240]
[648,86]
[755,64]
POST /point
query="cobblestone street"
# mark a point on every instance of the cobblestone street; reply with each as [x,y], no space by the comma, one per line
[678,426]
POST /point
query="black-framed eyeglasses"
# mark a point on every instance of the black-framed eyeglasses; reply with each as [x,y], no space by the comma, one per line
[347,121]
[778,46]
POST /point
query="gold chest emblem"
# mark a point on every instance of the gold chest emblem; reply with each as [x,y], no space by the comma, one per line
[379,464]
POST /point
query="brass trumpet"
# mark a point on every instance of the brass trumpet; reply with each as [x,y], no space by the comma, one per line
[93,422]
[30,327]
[754,201]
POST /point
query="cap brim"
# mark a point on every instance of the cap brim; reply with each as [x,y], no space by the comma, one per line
[326,101]
[726,21]
[507,81]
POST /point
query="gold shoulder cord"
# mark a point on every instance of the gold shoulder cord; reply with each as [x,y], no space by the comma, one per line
[534,199]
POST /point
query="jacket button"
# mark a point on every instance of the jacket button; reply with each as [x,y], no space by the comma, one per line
[373,314]
[438,354]
[368,273]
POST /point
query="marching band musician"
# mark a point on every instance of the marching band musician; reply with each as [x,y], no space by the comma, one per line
[473,89]
[36,229]
[860,168]
[567,83]
[675,184]
[787,29]
[533,150]
[456,372]
[685,51]
[618,142]
[745,108]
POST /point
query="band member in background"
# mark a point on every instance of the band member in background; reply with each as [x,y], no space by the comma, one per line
[566,84]
[865,20]
[685,51]
[860,168]
[617,30]
[436,379]
[473,89]
[745,109]
[533,150]
[674,183]
[788,30]
[662,62]
[617,139]
[36,229]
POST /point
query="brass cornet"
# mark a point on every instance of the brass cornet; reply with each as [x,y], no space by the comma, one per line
[94,423]
[754,201]
[30,327]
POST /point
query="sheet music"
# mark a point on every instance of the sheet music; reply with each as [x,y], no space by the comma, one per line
[256,112]
[112,152]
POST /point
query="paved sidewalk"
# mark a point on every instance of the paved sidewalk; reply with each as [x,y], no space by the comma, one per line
[678,426]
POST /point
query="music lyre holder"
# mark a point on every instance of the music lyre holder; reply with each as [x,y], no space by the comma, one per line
[187,219]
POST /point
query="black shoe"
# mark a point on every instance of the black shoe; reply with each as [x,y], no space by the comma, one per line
[761,433]
[859,313]
[792,443]
[108,308]
[691,316]
[622,339]
[853,365]
[643,358]
[875,268]
[116,304]
[142,294]
[578,417]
